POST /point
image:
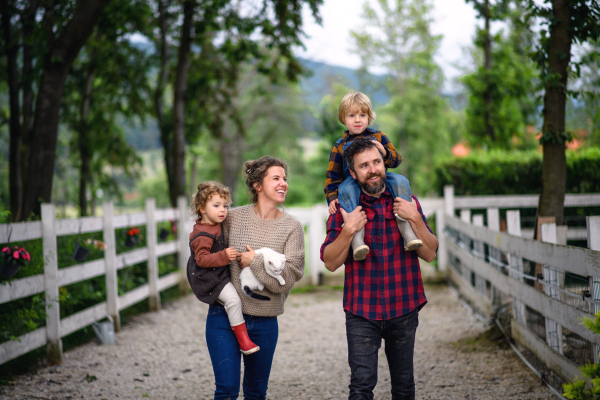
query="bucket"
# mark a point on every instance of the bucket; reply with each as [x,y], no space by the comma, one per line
[105,331]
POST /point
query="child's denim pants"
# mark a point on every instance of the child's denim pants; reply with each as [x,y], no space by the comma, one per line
[349,191]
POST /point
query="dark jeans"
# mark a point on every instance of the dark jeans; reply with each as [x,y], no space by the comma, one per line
[364,340]
[226,357]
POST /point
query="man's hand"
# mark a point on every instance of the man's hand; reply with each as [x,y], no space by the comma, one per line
[354,221]
[332,206]
[380,147]
[231,253]
[406,209]
[245,259]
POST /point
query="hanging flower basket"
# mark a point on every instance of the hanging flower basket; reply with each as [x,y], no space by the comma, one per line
[80,253]
[164,234]
[133,237]
[12,260]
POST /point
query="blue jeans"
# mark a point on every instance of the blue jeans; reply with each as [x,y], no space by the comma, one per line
[226,357]
[364,340]
[349,191]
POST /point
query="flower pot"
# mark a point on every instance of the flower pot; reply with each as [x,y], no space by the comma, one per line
[9,268]
[130,242]
[80,253]
[164,234]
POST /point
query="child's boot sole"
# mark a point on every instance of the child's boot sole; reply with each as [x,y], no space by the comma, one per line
[361,252]
[254,350]
[413,245]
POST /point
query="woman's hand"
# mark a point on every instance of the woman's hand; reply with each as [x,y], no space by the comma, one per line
[245,259]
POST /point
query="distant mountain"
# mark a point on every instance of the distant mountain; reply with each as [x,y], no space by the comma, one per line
[323,76]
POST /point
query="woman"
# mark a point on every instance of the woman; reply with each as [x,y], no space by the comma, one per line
[260,224]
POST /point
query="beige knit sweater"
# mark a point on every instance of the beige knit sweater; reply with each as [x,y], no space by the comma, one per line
[285,235]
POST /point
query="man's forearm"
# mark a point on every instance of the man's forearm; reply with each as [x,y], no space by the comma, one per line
[430,242]
[336,252]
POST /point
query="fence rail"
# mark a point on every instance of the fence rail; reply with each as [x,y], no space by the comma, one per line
[549,286]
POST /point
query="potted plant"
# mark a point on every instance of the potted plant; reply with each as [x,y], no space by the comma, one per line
[12,260]
[133,237]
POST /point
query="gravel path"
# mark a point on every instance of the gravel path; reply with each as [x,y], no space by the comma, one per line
[163,355]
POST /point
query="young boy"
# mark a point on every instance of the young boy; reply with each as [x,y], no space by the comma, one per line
[208,265]
[356,113]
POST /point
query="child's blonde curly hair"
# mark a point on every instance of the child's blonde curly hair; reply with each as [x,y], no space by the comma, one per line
[205,191]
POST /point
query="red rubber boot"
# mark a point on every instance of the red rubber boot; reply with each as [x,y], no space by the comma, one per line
[241,334]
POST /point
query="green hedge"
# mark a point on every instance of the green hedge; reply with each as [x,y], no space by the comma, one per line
[515,172]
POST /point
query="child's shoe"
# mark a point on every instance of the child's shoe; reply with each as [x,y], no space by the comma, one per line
[241,334]
[411,241]
[359,248]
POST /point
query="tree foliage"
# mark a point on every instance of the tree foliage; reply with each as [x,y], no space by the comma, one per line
[581,389]
[564,23]
[501,100]
[398,37]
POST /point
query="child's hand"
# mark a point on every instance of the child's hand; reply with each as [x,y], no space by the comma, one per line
[380,147]
[333,207]
[231,253]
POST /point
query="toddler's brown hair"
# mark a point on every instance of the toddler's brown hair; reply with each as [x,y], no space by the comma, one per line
[205,191]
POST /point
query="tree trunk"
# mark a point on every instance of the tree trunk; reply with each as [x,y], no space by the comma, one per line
[232,145]
[57,62]
[84,145]
[27,78]
[554,167]
[181,74]
[487,46]
[165,129]
[15,182]
[193,173]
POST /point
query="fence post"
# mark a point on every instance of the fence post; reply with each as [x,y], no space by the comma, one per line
[182,245]
[53,340]
[493,224]
[593,239]
[154,295]
[449,200]
[442,256]
[553,330]
[316,236]
[513,227]
[110,261]
[479,250]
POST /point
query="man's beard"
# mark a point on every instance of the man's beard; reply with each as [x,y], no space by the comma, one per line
[373,188]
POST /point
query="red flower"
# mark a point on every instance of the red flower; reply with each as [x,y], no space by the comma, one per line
[16,255]
[6,250]
[133,231]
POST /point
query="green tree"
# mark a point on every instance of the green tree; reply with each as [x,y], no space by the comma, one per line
[502,90]
[417,116]
[220,36]
[40,41]
[109,79]
[567,22]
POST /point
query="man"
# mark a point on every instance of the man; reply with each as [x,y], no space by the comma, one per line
[383,293]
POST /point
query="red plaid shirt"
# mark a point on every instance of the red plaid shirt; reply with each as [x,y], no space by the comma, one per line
[387,284]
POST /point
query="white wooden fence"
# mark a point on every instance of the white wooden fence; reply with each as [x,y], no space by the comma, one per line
[48,229]
[479,277]
[483,279]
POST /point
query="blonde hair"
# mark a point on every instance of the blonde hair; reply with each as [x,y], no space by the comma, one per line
[256,170]
[205,191]
[353,101]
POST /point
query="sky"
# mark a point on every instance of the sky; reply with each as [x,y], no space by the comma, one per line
[331,42]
